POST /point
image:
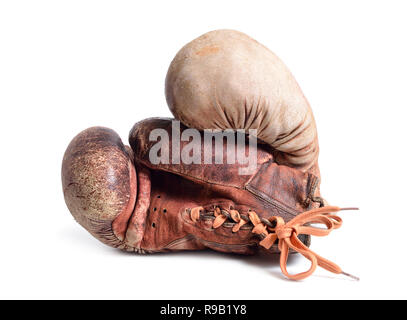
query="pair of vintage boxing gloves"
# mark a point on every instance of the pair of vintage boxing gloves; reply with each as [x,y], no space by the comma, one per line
[171,190]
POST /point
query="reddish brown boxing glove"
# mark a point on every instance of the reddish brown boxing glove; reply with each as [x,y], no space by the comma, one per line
[126,201]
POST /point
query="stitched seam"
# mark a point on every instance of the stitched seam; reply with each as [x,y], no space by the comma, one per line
[275,203]
[192,178]
[216,244]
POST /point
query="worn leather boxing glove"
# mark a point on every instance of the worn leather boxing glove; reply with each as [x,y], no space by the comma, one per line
[222,80]
[225,79]
[130,202]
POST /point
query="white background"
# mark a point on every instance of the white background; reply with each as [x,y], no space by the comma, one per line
[69,65]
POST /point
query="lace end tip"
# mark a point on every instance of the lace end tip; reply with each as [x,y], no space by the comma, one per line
[352,208]
[351,276]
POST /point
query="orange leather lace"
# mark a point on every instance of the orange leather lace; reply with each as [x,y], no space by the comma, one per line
[274,228]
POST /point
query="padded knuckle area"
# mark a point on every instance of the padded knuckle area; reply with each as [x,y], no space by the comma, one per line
[96,181]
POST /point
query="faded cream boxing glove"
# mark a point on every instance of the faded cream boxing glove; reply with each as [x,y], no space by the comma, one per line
[225,79]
